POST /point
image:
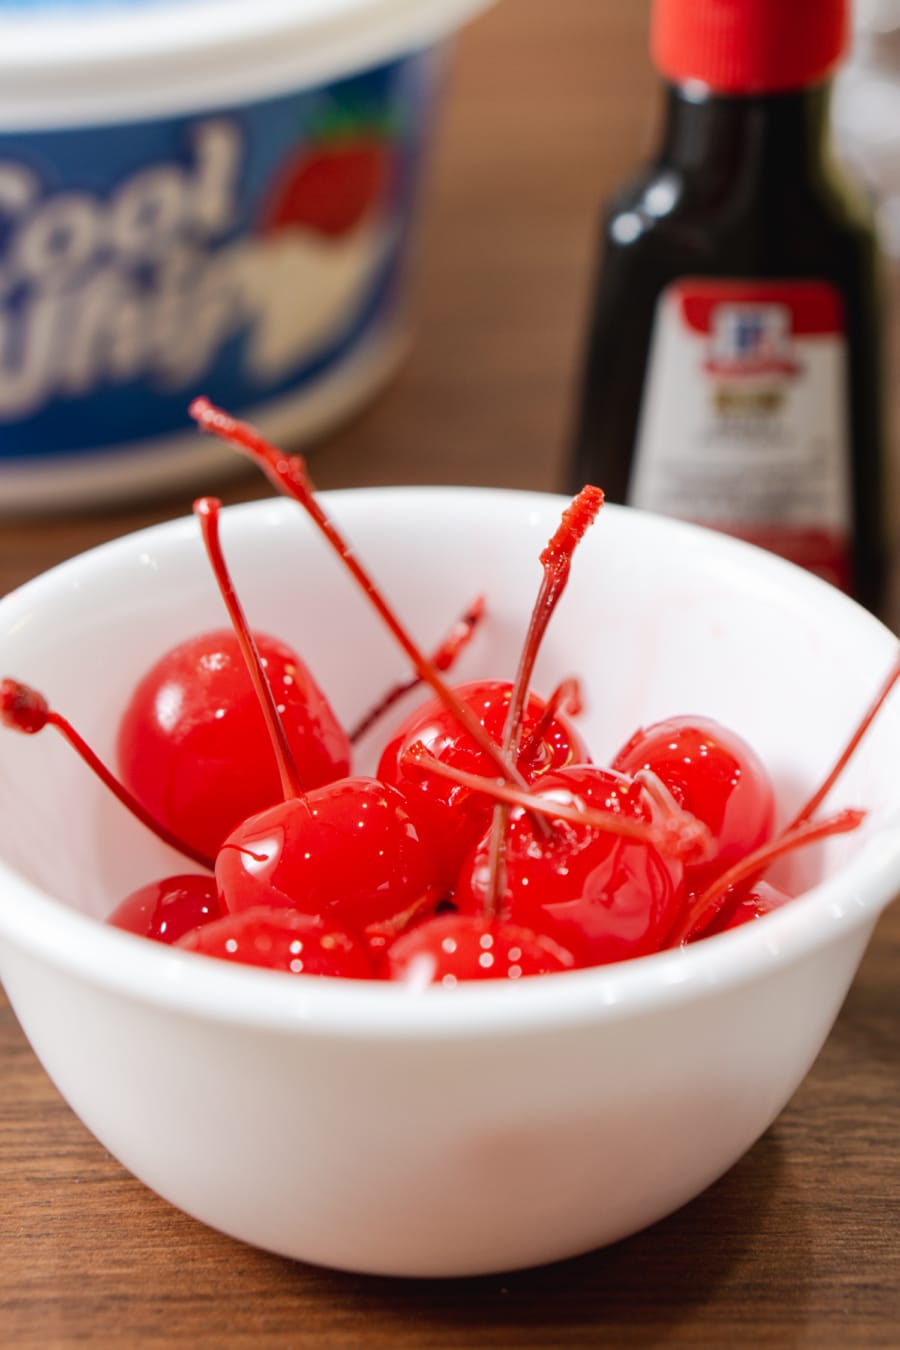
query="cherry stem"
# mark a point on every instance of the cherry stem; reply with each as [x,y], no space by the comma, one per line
[288,474]
[840,764]
[679,837]
[657,793]
[801,829]
[709,902]
[567,696]
[24,709]
[456,640]
[208,512]
[556,561]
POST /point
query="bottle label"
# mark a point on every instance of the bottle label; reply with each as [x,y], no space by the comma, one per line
[744,422]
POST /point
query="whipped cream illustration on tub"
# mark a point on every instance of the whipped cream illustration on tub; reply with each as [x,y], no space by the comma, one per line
[301,290]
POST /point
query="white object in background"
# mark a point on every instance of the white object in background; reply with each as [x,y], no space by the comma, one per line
[866,112]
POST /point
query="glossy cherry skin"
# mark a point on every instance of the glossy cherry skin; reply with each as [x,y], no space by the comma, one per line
[451,818]
[457,947]
[281,939]
[745,906]
[166,910]
[193,747]
[713,773]
[347,851]
[605,897]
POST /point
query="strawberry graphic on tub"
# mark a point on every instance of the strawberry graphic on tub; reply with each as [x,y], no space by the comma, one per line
[326,225]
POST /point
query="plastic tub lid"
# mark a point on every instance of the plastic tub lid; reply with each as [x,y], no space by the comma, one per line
[80,63]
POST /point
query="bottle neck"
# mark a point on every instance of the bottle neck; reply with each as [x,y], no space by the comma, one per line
[781,136]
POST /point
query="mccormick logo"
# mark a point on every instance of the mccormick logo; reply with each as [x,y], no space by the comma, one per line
[751,340]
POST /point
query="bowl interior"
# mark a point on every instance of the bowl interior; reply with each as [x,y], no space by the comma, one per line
[659,619]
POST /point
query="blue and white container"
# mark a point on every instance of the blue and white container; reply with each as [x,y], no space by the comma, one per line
[208,197]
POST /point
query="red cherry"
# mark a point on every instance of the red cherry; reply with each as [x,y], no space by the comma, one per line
[193,745]
[332,187]
[454,947]
[716,776]
[347,850]
[451,818]
[606,896]
[762,899]
[279,939]
[166,910]
[703,908]
[289,475]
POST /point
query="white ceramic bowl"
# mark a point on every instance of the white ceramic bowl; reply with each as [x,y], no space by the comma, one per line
[443,1132]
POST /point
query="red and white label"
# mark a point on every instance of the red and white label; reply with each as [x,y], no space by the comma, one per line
[744,422]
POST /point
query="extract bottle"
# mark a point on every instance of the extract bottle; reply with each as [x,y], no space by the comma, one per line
[732,374]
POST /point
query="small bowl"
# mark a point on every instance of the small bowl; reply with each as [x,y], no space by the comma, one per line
[440,1132]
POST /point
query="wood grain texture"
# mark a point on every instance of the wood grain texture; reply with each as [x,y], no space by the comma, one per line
[799,1245]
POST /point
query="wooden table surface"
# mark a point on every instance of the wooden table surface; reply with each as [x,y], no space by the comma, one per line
[799,1245]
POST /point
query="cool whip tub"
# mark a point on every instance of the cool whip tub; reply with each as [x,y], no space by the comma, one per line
[215,195]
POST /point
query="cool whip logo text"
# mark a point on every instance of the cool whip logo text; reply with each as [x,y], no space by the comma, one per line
[144,283]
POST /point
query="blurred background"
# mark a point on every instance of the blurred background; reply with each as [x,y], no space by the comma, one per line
[532,116]
[866,112]
[535,118]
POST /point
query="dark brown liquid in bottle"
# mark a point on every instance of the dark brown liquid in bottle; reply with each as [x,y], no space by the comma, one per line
[742,188]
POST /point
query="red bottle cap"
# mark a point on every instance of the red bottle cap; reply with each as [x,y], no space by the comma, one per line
[748,46]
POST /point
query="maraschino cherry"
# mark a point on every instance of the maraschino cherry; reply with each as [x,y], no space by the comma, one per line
[192,744]
[450,817]
[607,896]
[571,864]
[166,910]
[744,907]
[224,723]
[716,776]
[279,939]
[348,850]
[452,948]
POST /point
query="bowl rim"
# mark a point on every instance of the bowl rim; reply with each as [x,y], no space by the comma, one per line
[46,929]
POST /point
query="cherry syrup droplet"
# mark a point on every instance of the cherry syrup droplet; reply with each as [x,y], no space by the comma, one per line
[166,910]
[24,709]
